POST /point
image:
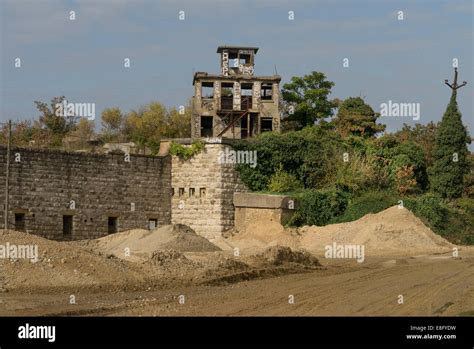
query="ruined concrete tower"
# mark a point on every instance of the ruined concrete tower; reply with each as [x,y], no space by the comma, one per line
[235,103]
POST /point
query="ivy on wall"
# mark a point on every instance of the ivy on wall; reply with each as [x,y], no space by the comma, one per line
[186,152]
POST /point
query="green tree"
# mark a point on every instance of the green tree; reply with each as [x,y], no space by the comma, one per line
[53,120]
[357,118]
[146,126]
[423,135]
[83,132]
[112,124]
[178,124]
[308,95]
[450,163]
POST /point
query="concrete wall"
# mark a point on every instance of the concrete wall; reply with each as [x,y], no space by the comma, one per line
[250,207]
[43,183]
[210,210]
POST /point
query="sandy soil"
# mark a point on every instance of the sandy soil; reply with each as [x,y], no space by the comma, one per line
[431,285]
[403,258]
[394,231]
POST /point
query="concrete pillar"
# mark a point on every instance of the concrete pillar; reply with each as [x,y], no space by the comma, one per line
[256,94]
[237,95]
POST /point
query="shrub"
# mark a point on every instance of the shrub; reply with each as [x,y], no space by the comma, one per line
[405,180]
[391,158]
[369,202]
[308,154]
[318,207]
[428,206]
[355,175]
[283,182]
[184,152]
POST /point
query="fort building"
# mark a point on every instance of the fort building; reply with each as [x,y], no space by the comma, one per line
[236,103]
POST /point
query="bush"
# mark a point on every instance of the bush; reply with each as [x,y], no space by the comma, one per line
[369,202]
[428,207]
[392,159]
[308,154]
[184,152]
[283,182]
[318,207]
[355,175]
[453,220]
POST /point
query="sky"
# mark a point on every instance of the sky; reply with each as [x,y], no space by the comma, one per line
[403,61]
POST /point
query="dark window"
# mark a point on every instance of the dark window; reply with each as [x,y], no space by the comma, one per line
[67,225]
[180,192]
[207,90]
[152,223]
[244,58]
[20,221]
[227,96]
[112,225]
[202,192]
[266,92]
[206,126]
[266,125]
[192,192]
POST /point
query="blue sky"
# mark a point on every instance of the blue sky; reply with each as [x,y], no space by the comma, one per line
[403,61]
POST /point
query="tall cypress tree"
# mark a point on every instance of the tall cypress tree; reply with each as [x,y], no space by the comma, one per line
[450,154]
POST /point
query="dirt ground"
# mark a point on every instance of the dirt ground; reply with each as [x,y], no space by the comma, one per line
[431,285]
[408,270]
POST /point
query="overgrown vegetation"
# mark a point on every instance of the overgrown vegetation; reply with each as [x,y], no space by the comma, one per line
[145,127]
[342,169]
[319,207]
[186,152]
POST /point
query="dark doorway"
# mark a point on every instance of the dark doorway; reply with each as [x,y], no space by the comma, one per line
[67,225]
[112,225]
[246,126]
[152,223]
[266,125]
[206,126]
[20,221]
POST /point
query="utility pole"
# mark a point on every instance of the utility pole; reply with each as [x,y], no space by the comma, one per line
[454,86]
[7,174]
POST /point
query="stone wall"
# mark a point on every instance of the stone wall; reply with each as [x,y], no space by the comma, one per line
[46,185]
[203,192]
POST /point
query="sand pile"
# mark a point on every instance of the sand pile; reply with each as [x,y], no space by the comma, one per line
[392,231]
[273,261]
[170,259]
[279,255]
[61,265]
[140,244]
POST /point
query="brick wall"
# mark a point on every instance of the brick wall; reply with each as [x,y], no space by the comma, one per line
[44,183]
